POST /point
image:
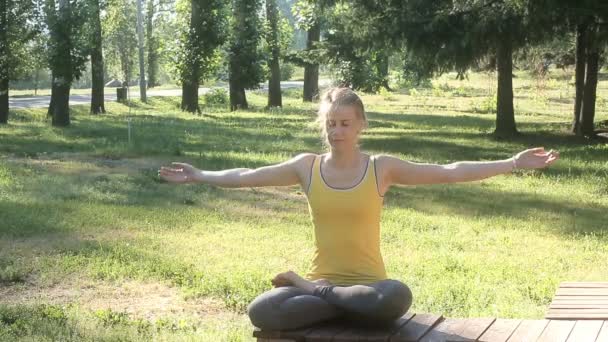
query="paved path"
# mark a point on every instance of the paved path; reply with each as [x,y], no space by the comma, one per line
[43,101]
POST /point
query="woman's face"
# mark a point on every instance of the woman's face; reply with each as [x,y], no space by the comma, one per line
[343,127]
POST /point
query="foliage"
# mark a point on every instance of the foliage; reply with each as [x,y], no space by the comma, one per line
[21,27]
[203,31]
[246,59]
[287,71]
[284,38]
[216,97]
[120,35]
[66,22]
[360,61]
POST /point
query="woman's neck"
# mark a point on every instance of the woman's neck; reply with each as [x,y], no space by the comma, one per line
[344,159]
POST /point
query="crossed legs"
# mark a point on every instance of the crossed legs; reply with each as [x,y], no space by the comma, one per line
[297,302]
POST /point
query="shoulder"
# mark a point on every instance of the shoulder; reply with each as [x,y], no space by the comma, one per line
[384,159]
[304,158]
[386,163]
[303,161]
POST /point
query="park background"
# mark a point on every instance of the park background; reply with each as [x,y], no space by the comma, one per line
[94,247]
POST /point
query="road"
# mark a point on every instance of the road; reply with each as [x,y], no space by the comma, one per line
[43,101]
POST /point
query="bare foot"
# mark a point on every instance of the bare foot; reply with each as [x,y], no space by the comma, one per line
[323,282]
[290,278]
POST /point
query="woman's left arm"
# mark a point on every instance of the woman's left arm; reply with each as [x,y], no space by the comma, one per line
[401,172]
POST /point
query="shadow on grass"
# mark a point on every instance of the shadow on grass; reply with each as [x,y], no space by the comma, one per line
[564,217]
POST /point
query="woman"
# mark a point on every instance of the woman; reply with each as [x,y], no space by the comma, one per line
[345,189]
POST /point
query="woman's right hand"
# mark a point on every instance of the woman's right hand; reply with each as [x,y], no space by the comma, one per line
[179,173]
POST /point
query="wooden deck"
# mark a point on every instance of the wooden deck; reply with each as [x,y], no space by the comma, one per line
[578,313]
[580,301]
[432,328]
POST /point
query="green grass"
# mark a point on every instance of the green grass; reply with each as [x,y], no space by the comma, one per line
[82,212]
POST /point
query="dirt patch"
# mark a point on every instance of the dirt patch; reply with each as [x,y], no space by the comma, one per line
[140,300]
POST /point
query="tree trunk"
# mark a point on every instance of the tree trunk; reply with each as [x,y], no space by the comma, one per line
[49,112]
[140,45]
[61,105]
[191,73]
[505,116]
[589,93]
[36,81]
[383,68]
[97,91]
[580,59]
[4,96]
[4,69]
[190,97]
[274,83]
[152,47]
[311,71]
[238,99]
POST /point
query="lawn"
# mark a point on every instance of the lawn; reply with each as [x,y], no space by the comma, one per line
[94,247]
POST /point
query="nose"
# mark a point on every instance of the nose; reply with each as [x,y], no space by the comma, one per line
[336,132]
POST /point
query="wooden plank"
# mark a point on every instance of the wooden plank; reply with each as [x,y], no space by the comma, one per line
[585,331]
[327,332]
[375,335]
[603,336]
[579,311]
[528,331]
[447,330]
[584,284]
[579,306]
[580,301]
[413,330]
[582,292]
[557,331]
[293,335]
[580,297]
[473,328]
[579,316]
[500,331]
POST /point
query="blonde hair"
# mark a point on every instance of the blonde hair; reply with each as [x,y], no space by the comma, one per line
[331,101]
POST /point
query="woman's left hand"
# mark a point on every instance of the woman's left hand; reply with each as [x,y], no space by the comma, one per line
[535,158]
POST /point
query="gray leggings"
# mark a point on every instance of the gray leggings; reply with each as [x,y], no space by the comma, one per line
[289,307]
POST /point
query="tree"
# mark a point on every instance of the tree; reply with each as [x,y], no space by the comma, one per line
[199,51]
[16,21]
[119,26]
[68,51]
[309,19]
[360,60]
[244,53]
[587,20]
[152,45]
[274,82]
[454,35]
[97,91]
[140,47]
[4,63]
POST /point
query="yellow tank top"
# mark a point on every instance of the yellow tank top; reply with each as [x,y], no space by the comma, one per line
[346,229]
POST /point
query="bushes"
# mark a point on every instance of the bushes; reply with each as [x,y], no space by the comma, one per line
[216,97]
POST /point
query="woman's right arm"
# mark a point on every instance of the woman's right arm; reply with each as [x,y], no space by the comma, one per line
[290,172]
